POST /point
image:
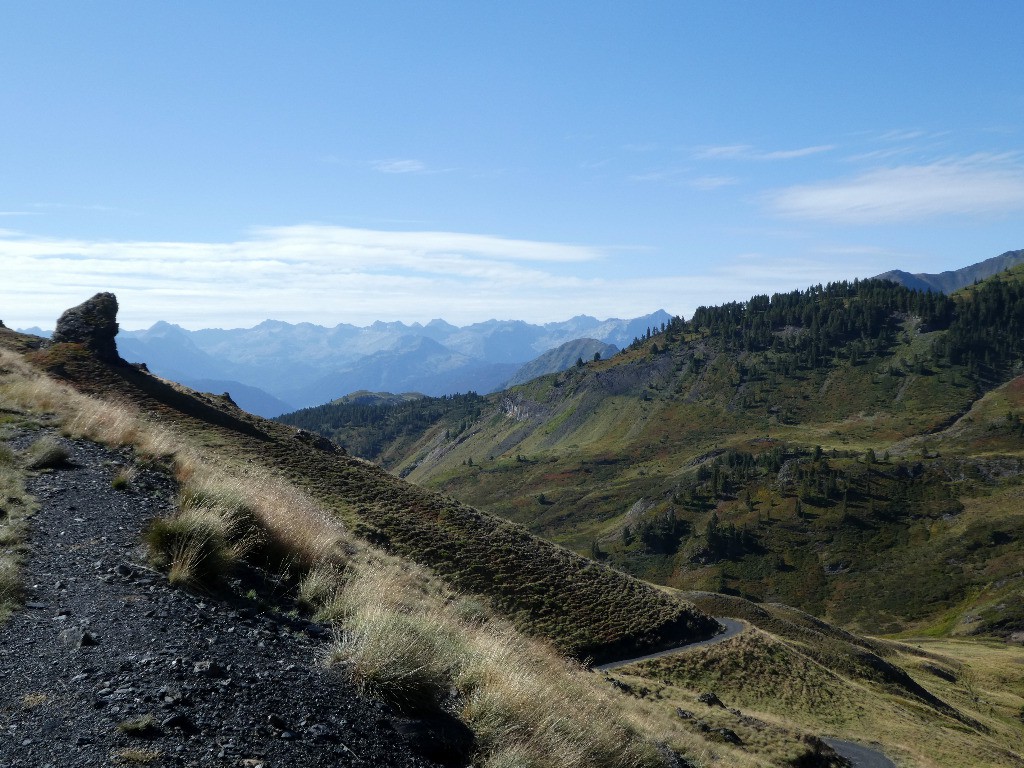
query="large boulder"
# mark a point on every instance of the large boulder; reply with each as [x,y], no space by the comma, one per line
[92,323]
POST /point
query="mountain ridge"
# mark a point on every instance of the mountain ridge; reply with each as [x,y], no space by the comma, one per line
[717,454]
[953,280]
[273,356]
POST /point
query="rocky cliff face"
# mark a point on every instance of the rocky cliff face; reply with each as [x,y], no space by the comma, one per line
[92,323]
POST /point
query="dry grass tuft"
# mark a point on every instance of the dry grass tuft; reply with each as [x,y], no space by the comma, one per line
[33,700]
[135,756]
[198,545]
[46,453]
[320,586]
[124,478]
[144,727]
[10,583]
[526,704]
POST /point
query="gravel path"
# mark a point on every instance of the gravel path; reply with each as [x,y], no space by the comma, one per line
[107,664]
[732,628]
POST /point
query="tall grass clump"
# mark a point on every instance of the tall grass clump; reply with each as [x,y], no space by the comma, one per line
[46,453]
[287,530]
[406,659]
[526,705]
[197,545]
[15,506]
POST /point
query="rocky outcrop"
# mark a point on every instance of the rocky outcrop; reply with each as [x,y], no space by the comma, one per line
[92,323]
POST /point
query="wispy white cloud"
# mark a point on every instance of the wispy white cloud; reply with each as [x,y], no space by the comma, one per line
[683,177]
[793,154]
[395,165]
[713,182]
[327,274]
[750,152]
[660,174]
[979,185]
[727,151]
[902,134]
[307,272]
[640,147]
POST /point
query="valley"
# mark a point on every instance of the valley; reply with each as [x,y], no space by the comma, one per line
[845,503]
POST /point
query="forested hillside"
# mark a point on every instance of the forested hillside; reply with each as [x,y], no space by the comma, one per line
[816,447]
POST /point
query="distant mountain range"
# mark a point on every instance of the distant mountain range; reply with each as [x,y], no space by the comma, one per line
[277,367]
[947,282]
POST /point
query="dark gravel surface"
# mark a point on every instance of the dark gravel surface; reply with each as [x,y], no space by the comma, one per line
[104,644]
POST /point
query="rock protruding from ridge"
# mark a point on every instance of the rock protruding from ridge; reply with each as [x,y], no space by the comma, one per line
[92,323]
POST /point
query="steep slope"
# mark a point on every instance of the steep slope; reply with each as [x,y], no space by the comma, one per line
[109,639]
[584,608]
[746,450]
[954,280]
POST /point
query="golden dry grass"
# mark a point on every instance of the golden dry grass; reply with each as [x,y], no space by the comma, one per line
[526,704]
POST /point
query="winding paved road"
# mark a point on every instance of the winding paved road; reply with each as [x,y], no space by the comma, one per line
[732,628]
[858,755]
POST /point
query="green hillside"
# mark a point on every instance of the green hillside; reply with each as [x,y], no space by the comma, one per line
[584,608]
[842,449]
[347,542]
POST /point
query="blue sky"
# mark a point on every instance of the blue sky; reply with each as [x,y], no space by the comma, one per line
[219,163]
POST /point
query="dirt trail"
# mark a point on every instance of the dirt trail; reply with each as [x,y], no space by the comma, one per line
[107,663]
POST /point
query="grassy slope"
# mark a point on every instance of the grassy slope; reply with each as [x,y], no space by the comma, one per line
[927,703]
[584,608]
[580,456]
[771,735]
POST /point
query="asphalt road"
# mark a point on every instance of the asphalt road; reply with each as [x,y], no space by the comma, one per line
[732,628]
[859,755]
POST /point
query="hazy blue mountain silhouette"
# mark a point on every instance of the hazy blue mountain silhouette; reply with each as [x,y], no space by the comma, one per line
[954,280]
[294,365]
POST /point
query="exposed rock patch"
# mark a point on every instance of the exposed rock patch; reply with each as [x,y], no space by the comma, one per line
[92,323]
